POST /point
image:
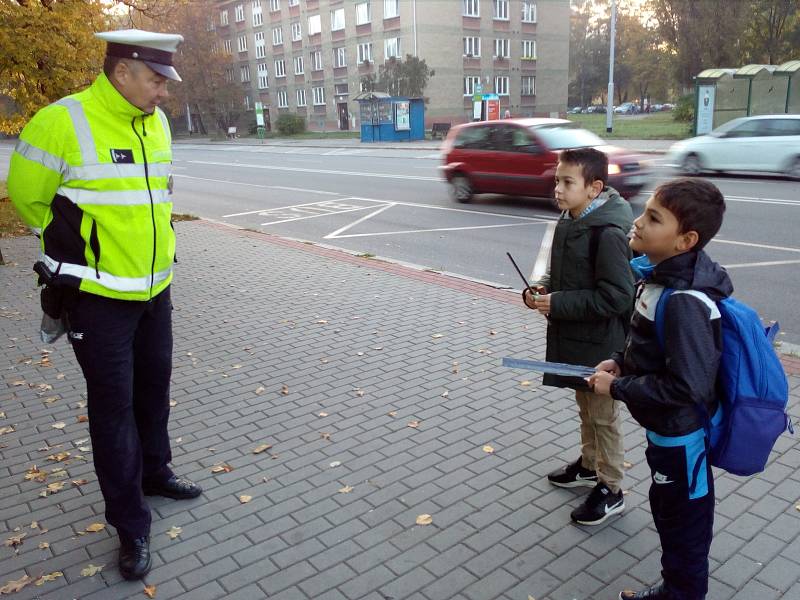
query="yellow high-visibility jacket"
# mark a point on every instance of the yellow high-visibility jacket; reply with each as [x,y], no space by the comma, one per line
[91,176]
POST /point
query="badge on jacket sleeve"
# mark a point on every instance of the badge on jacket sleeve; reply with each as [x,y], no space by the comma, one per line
[121,156]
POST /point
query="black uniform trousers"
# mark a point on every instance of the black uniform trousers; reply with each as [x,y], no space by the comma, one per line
[684,518]
[125,351]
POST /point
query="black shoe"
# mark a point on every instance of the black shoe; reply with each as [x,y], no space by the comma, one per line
[573,475]
[134,557]
[601,504]
[653,593]
[174,487]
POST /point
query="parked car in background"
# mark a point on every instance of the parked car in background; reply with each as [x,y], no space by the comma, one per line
[519,157]
[627,108]
[767,144]
[596,108]
[575,110]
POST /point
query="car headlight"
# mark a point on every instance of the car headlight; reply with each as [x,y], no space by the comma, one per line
[614,169]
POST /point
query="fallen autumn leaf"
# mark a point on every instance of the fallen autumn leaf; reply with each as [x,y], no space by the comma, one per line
[91,570]
[424,520]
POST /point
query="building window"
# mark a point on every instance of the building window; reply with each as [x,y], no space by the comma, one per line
[391,9]
[228,46]
[362,13]
[277,36]
[297,31]
[341,89]
[301,97]
[229,74]
[470,85]
[337,19]
[294,2]
[365,52]
[528,85]
[391,48]
[501,10]
[274,5]
[314,25]
[502,48]
[242,43]
[239,13]
[263,76]
[283,99]
[244,73]
[299,66]
[280,68]
[247,103]
[319,96]
[528,11]
[472,46]
[472,8]
[529,49]
[339,57]
[261,49]
[501,86]
[223,17]
[316,60]
[257,16]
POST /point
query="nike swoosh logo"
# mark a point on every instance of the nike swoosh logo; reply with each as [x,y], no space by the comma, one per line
[581,478]
[608,509]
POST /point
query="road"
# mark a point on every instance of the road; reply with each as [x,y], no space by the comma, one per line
[394,204]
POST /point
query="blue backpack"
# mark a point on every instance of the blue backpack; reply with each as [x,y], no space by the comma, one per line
[753,386]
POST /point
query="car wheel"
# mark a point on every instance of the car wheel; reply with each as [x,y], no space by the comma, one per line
[461,188]
[793,170]
[691,165]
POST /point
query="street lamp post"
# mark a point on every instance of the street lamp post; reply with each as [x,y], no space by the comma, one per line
[610,102]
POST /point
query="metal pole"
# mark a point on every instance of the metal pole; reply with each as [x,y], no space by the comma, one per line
[414,7]
[610,101]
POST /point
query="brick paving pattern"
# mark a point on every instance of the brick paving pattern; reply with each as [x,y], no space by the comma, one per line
[330,358]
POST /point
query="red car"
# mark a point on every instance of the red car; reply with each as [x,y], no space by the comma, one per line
[518,157]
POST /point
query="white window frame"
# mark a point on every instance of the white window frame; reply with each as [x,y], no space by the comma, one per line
[241,43]
[248,105]
[274,5]
[337,19]
[261,47]
[471,8]
[223,17]
[339,57]
[228,46]
[244,73]
[363,13]
[294,2]
[501,85]
[316,60]
[314,25]
[469,84]
[280,68]
[500,10]
[262,69]
[502,48]
[283,99]
[239,12]
[297,31]
[391,9]
[529,49]
[258,17]
[526,90]
[299,65]
[365,52]
[472,46]
[390,44]
[229,74]
[318,94]
[277,36]
[300,95]
[528,11]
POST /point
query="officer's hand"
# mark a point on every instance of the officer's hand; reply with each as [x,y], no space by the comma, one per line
[609,366]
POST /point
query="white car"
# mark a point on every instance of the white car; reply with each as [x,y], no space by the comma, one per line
[769,143]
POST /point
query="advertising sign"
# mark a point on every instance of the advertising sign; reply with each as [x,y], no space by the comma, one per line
[705,109]
[259,114]
[402,116]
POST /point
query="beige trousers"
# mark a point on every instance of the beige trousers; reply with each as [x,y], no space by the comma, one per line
[602,447]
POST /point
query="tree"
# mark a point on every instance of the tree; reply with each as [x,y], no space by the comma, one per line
[407,77]
[589,53]
[642,65]
[769,31]
[47,51]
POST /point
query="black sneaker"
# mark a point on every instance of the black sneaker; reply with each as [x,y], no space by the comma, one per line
[601,504]
[653,593]
[573,475]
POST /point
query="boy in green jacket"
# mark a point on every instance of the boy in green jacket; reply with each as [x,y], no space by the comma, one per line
[587,296]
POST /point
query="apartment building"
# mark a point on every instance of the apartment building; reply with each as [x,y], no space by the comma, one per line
[308,56]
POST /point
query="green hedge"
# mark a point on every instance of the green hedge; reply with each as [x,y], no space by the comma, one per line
[289,124]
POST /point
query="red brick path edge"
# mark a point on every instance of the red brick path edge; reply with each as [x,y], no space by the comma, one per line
[791,364]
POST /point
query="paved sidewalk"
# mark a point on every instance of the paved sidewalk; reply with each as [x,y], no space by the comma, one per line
[377,387]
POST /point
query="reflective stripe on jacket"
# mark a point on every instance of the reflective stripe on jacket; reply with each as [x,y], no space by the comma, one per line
[91,174]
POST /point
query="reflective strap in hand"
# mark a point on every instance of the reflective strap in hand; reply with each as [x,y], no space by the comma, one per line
[543,366]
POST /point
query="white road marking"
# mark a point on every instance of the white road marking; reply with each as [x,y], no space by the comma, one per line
[319,171]
[341,230]
[543,259]
[269,210]
[294,189]
[772,263]
[354,235]
[752,245]
[749,199]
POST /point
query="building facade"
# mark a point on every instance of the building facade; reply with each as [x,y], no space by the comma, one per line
[309,56]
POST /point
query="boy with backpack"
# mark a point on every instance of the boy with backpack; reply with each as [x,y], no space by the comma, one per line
[587,296]
[667,375]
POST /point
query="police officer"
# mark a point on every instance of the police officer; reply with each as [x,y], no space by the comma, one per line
[91,176]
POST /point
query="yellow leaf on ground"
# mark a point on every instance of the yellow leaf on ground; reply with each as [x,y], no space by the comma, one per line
[346,489]
[15,540]
[174,532]
[173,403]
[35,474]
[150,591]
[488,449]
[49,577]
[14,586]
[285,390]
[525,383]
[322,414]
[91,570]
[244,498]
[260,390]
[83,418]
[8,429]
[436,336]
[261,448]
[61,456]
[95,527]
[626,465]
[222,469]
[54,487]
[59,425]
[424,520]
[44,545]
[413,424]
[392,413]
